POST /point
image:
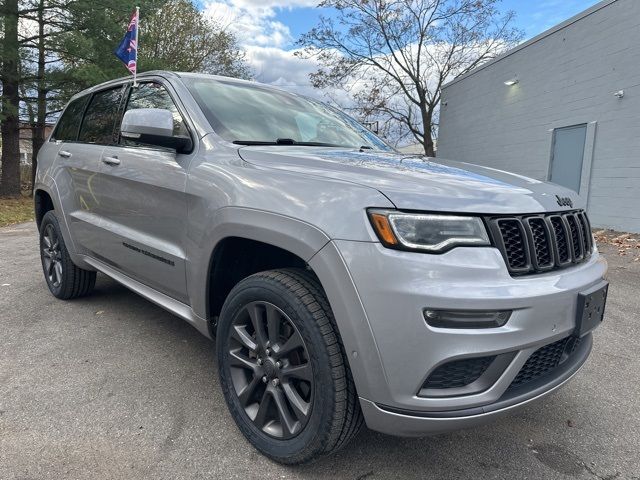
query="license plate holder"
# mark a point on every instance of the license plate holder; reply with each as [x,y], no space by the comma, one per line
[590,311]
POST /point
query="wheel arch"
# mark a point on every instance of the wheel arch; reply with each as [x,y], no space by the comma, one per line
[43,203]
[309,245]
[46,197]
[235,258]
[249,240]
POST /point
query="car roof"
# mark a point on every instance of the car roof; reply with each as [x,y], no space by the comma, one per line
[168,75]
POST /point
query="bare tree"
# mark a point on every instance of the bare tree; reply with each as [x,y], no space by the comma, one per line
[394,56]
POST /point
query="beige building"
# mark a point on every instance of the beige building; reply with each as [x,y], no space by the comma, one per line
[25,141]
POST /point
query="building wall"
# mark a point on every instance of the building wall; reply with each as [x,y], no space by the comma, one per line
[567,76]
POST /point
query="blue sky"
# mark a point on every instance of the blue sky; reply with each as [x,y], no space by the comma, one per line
[267,30]
[536,16]
[533,16]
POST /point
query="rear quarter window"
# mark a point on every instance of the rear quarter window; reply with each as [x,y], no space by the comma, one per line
[69,124]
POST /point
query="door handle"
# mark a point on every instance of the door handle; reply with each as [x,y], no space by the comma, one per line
[111,160]
[64,153]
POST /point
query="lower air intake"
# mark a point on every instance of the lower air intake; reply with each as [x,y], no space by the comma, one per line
[545,360]
[458,373]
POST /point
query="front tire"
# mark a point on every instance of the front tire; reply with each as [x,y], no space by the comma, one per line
[64,279]
[282,367]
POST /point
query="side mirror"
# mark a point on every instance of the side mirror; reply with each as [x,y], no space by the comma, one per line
[153,126]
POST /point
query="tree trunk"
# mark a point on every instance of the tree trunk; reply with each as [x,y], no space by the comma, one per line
[429,149]
[38,133]
[427,118]
[10,180]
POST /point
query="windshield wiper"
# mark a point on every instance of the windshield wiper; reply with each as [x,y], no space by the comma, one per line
[288,141]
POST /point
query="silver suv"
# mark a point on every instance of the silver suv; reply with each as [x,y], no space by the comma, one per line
[342,281]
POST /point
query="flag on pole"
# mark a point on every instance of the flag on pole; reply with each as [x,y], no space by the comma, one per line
[127,51]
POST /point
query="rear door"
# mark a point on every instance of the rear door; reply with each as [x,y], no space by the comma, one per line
[142,201]
[82,133]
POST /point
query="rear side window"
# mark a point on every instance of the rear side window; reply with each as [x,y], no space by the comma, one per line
[101,116]
[69,123]
[154,95]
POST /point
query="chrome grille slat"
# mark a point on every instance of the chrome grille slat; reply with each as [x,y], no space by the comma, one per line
[539,243]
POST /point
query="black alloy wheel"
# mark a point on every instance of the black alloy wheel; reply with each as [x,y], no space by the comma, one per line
[51,256]
[283,369]
[270,370]
[64,279]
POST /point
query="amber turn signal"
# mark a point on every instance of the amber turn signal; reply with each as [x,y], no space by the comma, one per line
[383,229]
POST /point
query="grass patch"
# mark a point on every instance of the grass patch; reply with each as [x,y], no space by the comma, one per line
[16,210]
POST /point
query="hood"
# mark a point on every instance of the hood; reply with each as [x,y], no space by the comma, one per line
[413,182]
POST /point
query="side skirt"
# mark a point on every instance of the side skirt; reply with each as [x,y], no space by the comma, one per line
[172,305]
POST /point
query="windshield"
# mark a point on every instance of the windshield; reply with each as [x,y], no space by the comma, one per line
[249,114]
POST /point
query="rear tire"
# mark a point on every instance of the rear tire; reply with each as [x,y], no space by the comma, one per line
[293,403]
[64,279]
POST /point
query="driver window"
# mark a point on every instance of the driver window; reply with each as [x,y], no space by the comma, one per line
[154,95]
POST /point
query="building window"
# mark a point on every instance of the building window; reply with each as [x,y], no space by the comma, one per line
[567,154]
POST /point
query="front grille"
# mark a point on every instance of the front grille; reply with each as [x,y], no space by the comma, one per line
[575,237]
[560,233]
[541,242]
[458,373]
[585,229]
[544,360]
[514,238]
[538,243]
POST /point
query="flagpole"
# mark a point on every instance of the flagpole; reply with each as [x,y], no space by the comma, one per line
[135,73]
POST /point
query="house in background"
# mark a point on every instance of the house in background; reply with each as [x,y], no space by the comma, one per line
[25,145]
[564,107]
[26,150]
[26,133]
[416,148]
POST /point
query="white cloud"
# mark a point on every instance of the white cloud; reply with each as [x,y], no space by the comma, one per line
[268,42]
[276,3]
[273,64]
[254,22]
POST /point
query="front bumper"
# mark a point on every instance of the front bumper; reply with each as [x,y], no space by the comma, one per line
[392,350]
[408,423]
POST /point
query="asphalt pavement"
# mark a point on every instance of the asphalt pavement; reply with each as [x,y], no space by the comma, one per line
[113,387]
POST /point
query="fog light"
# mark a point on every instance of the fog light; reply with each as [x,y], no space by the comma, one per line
[466,318]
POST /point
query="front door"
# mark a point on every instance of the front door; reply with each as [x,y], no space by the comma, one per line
[142,202]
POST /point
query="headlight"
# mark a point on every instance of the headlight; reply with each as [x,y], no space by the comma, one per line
[427,232]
